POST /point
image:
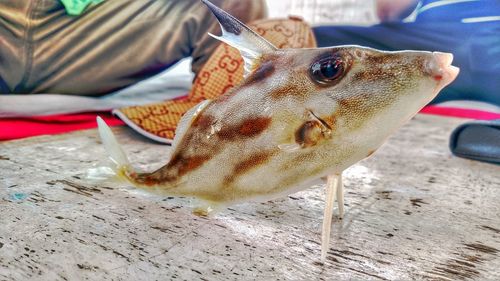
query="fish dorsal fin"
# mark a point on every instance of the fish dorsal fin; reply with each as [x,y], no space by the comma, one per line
[235,33]
[186,121]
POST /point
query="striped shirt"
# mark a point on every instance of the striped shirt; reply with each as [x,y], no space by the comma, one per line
[465,11]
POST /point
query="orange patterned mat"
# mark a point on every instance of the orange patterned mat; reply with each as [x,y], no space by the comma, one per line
[222,72]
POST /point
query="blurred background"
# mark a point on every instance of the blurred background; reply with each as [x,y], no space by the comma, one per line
[319,12]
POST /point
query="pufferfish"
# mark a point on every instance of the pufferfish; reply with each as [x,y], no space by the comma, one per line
[299,115]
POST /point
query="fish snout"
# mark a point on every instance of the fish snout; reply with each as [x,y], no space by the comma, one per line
[440,69]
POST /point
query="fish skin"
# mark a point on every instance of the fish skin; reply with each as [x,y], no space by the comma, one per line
[281,129]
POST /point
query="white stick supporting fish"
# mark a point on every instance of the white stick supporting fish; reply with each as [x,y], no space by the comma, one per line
[300,115]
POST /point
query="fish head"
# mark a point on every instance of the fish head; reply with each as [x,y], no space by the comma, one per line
[351,88]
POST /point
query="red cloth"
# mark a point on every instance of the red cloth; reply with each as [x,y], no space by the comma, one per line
[460,112]
[16,128]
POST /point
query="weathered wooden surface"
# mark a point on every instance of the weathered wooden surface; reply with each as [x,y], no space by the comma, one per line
[413,212]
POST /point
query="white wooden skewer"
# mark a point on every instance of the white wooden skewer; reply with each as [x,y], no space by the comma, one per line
[331,186]
[340,196]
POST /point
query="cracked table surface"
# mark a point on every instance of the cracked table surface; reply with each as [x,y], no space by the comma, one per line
[413,211]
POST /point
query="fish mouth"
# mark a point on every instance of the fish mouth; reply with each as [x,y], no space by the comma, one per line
[441,70]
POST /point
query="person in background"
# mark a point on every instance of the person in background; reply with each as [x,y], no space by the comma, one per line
[94,47]
[470,29]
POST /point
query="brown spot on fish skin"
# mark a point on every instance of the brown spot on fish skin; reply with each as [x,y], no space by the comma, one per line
[192,163]
[187,164]
[146,179]
[352,103]
[248,128]
[379,59]
[253,127]
[248,164]
[179,166]
[373,74]
[281,92]
[265,70]
[358,106]
[155,178]
[204,122]
[252,162]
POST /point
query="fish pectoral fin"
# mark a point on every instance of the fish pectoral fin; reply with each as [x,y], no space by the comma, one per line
[312,131]
[236,34]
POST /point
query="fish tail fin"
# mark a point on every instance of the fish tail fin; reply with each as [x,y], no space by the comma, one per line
[122,168]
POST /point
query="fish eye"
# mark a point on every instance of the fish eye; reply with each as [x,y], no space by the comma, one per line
[327,70]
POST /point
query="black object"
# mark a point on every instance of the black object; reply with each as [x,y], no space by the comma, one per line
[479,140]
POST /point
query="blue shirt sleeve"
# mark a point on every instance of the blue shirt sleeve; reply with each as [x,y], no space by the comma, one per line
[466,11]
